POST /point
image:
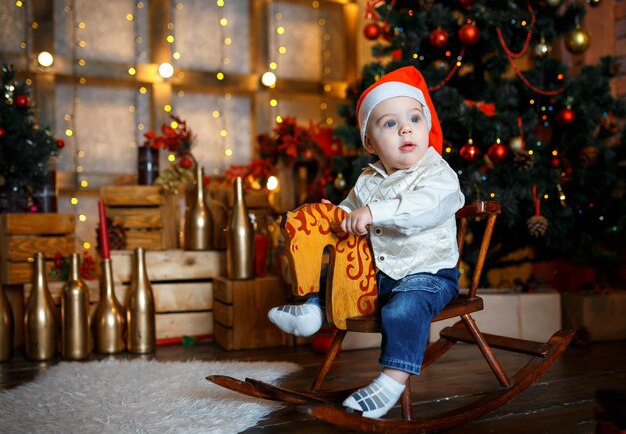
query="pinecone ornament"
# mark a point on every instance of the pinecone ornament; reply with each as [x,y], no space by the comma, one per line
[537,225]
[589,156]
[117,235]
[523,161]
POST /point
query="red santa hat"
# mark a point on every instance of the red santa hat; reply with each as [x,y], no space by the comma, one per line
[407,81]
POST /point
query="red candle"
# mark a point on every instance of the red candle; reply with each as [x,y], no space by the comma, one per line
[104,233]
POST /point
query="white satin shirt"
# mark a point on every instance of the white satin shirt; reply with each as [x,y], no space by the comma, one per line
[414,228]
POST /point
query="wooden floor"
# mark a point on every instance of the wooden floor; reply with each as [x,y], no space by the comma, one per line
[562,401]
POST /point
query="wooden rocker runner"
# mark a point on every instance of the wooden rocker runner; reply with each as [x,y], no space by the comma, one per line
[351,306]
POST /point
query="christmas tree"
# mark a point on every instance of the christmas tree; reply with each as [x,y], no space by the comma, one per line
[519,127]
[25,149]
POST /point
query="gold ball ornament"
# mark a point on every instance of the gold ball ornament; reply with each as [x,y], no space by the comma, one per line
[554,3]
[340,182]
[594,3]
[577,41]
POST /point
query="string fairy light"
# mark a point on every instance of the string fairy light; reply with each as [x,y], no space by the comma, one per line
[279,35]
[70,118]
[326,67]
[225,40]
[25,42]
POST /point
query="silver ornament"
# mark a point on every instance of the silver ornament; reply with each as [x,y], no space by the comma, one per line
[542,50]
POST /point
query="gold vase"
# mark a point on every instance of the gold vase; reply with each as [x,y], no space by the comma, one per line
[6,328]
[40,321]
[140,310]
[75,315]
[199,221]
[109,322]
[240,262]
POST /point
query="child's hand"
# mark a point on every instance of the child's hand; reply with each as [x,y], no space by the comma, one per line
[357,221]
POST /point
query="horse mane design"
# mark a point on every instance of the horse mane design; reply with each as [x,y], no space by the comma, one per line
[351,280]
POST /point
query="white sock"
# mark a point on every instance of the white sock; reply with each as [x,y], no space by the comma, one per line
[376,399]
[299,320]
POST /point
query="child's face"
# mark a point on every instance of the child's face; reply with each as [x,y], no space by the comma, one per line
[397,132]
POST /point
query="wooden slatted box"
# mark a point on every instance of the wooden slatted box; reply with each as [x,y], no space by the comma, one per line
[24,234]
[149,215]
[182,284]
[240,310]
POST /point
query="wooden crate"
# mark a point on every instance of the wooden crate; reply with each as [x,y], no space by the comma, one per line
[182,284]
[240,312]
[22,235]
[149,215]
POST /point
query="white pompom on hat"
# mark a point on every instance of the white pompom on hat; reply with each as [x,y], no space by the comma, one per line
[407,81]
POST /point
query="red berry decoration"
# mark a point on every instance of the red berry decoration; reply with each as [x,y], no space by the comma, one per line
[498,152]
[565,117]
[469,152]
[60,143]
[22,101]
[2,132]
[372,31]
[186,162]
[438,38]
[469,34]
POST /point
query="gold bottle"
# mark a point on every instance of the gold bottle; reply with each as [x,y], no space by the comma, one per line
[109,321]
[240,261]
[6,328]
[40,318]
[199,221]
[75,315]
[140,311]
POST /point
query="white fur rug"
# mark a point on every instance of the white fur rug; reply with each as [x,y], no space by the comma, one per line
[137,396]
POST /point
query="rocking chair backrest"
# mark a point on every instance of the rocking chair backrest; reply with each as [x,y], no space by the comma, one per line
[475,211]
[351,281]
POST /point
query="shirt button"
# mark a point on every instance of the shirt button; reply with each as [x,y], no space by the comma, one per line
[381,258]
[378,231]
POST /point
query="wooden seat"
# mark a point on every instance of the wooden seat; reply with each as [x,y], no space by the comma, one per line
[351,305]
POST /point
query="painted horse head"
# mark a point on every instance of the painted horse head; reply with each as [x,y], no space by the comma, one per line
[351,281]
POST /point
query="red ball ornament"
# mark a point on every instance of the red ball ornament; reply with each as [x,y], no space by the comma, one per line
[498,152]
[2,132]
[555,162]
[371,31]
[21,101]
[60,143]
[469,34]
[438,38]
[567,116]
[467,4]
[186,162]
[469,152]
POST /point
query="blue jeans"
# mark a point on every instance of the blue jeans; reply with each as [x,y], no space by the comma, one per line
[407,307]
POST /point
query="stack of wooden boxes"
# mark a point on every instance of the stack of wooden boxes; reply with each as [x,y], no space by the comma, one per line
[21,236]
[183,285]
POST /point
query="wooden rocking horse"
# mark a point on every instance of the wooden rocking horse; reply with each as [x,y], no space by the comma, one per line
[351,306]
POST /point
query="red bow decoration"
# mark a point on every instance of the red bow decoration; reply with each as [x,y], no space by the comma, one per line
[488,109]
